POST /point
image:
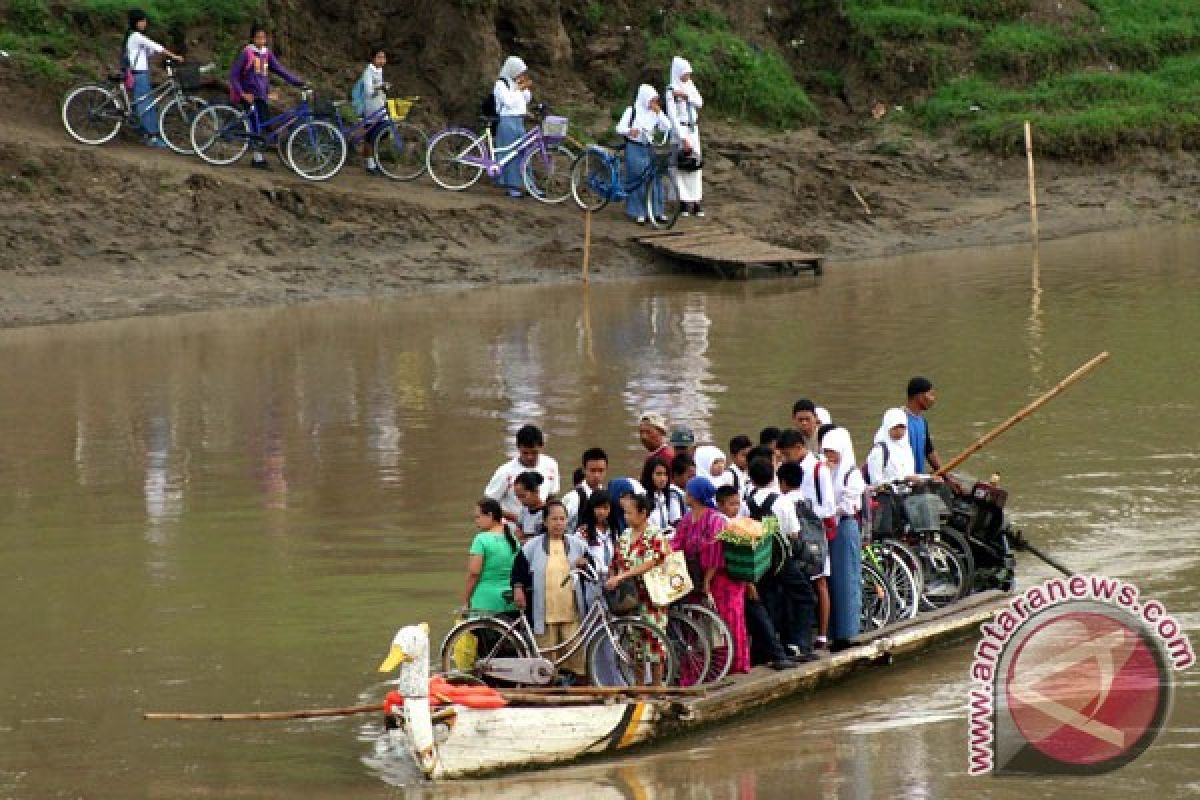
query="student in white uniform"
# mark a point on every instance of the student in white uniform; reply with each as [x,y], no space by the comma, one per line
[639,124]
[374,98]
[512,93]
[136,53]
[529,458]
[891,456]
[683,104]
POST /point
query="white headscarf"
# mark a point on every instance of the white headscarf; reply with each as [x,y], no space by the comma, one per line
[822,415]
[900,452]
[838,440]
[679,68]
[645,94]
[705,456]
[513,66]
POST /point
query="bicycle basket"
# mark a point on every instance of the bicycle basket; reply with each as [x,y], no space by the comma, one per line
[398,107]
[190,78]
[554,128]
[924,511]
[662,158]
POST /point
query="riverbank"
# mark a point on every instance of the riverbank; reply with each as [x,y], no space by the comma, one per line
[121,230]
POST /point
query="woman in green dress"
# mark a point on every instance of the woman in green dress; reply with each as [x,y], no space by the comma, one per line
[489,564]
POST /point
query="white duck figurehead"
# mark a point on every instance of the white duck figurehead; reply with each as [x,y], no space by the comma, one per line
[410,652]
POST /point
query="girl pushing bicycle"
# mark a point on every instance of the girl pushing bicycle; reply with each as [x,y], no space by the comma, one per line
[250,83]
[135,57]
[639,124]
[512,94]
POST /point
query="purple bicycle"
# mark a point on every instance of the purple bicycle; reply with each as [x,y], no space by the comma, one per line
[457,157]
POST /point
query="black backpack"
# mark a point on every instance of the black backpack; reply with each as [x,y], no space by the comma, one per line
[781,547]
[812,548]
[487,107]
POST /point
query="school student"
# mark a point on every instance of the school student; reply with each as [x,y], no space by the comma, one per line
[374,89]
[816,488]
[599,538]
[797,593]
[250,82]
[891,455]
[638,124]
[683,469]
[667,501]
[845,550]
[594,471]
[683,104]
[710,463]
[532,516]
[530,457]
[729,502]
[136,52]
[512,93]
[739,452]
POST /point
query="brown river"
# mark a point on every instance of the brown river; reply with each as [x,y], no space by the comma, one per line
[235,511]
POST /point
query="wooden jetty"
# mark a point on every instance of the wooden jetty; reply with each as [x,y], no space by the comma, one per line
[461,741]
[731,254]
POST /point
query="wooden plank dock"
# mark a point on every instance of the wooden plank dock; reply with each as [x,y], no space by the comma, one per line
[731,254]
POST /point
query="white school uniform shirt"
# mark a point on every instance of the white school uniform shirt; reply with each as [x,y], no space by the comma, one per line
[808,487]
[372,79]
[667,509]
[500,487]
[511,101]
[571,502]
[138,50]
[642,118]
[783,509]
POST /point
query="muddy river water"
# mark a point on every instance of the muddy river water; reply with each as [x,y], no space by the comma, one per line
[236,511]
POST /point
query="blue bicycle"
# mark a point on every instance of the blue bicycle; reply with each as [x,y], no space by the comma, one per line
[596,181]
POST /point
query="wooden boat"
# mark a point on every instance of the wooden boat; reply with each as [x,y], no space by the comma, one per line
[459,741]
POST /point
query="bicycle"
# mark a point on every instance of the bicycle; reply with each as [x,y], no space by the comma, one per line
[715,632]
[912,515]
[221,134]
[692,648]
[596,181]
[891,560]
[93,113]
[457,157]
[505,648]
[399,146]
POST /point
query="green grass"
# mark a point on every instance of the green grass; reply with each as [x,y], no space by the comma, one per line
[1124,74]
[738,80]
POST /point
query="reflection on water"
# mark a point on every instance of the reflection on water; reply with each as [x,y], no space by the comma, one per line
[235,512]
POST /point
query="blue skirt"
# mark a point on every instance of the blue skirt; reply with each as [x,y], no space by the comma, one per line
[509,130]
[637,158]
[147,113]
[845,580]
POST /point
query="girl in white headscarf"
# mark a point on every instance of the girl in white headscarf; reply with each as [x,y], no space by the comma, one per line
[845,549]
[891,457]
[683,103]
[639,124]
[512,94]
[710,463]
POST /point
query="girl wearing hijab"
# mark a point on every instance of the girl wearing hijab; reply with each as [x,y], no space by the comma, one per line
[683,101]
[696,536]
[891,457]
[639,124]
[710,463]
[845,550]
[135,55]
[618,490]
[512,94]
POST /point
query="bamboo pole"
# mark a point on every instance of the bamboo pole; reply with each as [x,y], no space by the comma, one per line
[587,243]
[607,691]
[1032,184]
[311,713]
[986,439]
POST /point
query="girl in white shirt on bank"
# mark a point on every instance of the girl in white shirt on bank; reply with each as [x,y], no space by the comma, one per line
[639,124]
[683,104]
[136,53]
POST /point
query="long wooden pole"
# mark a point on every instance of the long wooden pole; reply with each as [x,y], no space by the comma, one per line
[986,439]
[1032,184]
[311,713]
[587,243]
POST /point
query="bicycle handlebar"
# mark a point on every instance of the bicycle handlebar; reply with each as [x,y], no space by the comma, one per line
[587,572]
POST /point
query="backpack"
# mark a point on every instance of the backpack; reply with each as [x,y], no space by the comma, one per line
[487,107]
[781,547]
[866,474]
[358,97]
[813,547]
[830,523]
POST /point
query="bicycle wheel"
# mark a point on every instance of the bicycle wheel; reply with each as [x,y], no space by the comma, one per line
[962,548]
[693,653]
[877,600]
[720,640]
[626,659]
[444,160]
[400,150]
[662,200]
[92,114]
[592,178]
[220,134]
[477,639]
[548,176]
[900,579]
[316,150]
[175,122]
[943,576]
[909,556]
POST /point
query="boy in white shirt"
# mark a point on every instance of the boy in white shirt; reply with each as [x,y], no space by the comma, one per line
[530,458]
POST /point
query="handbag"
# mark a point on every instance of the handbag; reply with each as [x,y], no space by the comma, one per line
[669,581]
[623,599]
[689,162]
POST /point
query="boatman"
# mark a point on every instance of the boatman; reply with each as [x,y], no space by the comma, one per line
[530,458]
[921,398]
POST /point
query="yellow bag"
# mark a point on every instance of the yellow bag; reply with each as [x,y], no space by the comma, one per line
[466,650]
[669,581]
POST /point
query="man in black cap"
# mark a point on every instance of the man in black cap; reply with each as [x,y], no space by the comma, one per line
[921,398]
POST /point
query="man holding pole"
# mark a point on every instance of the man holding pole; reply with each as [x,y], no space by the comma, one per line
[921,398]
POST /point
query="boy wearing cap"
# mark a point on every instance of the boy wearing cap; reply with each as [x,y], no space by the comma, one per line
[652,430]
[921,398]
[682,439]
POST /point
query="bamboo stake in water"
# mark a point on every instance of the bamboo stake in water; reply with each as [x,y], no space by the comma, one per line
[1032,185]
[986,439]
[587,243]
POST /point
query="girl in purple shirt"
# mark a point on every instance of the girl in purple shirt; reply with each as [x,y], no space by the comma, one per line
[250,83]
